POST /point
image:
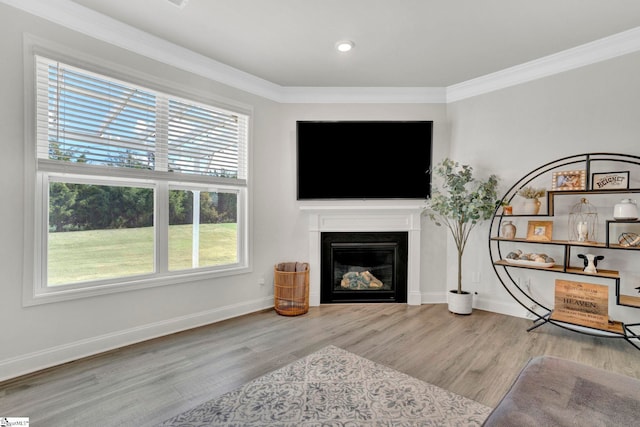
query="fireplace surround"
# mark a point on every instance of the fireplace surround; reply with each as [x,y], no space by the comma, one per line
[352,217]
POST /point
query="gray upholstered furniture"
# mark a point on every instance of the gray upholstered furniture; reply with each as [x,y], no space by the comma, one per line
[550,391]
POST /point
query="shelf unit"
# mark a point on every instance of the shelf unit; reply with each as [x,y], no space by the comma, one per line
[590,162]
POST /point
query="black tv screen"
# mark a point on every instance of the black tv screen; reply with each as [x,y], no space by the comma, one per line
[364,159]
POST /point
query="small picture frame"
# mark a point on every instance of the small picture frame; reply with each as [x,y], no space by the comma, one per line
[540,231]
[609,180]
[569,180]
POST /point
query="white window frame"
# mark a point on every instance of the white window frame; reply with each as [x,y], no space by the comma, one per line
[39,172]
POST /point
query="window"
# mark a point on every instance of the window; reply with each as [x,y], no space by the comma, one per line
[208,220]
[133,185]
[98,232]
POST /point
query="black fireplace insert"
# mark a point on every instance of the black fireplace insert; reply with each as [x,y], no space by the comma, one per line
[363,267]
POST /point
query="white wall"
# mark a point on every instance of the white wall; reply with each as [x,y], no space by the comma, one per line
[512,131]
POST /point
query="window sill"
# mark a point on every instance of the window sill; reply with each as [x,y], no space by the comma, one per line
[67,293]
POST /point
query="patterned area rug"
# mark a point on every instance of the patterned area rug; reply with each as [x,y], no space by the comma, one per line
[333,387]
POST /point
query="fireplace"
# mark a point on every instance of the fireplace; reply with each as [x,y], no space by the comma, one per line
[369,217]
[363,267]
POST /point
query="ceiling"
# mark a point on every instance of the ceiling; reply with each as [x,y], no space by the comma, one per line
[398,43]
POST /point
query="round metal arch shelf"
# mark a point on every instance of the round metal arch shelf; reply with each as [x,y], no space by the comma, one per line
[540,312]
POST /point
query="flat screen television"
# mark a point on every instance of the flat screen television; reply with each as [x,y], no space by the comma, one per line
[364,159]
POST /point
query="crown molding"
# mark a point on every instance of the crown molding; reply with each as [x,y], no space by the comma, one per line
[580,56]
[86,21]
[368,95]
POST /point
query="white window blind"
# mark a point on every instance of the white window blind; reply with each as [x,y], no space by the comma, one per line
[87,118]
[205,141]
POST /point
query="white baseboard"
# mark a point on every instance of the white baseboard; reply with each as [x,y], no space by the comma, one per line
[414,298]
[434,298]
[507,308]
[32,362]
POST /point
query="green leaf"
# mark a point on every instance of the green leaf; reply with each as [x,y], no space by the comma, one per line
[462,201]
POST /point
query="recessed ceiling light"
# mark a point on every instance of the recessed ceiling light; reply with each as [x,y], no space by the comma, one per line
[345,45]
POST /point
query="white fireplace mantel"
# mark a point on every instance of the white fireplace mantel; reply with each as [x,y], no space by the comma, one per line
[359,217]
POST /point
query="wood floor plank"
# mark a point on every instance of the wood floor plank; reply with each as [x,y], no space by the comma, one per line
[477,356]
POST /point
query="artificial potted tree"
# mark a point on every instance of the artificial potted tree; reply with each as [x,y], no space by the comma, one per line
[460,204]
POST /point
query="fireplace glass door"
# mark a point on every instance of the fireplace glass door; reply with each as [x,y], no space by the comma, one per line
[364,267]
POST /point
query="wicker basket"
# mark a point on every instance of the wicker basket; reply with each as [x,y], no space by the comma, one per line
[291,288]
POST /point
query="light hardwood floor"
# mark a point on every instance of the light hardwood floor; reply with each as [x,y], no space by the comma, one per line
[477,356]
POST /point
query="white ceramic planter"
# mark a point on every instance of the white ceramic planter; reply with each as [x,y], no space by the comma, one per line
[460,303]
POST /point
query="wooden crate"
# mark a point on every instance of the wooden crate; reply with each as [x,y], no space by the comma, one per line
[291,288]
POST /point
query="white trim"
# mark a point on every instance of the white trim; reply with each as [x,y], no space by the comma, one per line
[481,303]
[439,297]
[35,45]
[352,217]
[501,307]
[337,95]
[78,18]
[110,173]
[86,21]
[52,356]
[580,56]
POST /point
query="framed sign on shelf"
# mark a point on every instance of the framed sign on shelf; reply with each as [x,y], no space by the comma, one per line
[608,180]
